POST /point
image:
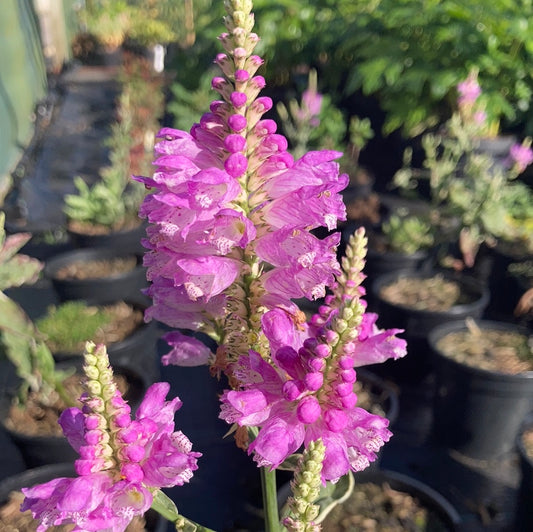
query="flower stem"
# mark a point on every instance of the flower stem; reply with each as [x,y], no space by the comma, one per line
[270,500]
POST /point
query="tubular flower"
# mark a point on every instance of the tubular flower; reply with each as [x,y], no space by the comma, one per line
[231,211]
[121,461]
[307,393]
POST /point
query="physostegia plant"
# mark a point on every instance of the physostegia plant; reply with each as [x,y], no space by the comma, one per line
[230,247]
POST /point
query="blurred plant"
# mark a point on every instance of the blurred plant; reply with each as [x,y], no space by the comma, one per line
[113,201]
[108,20]
[314,122]
[112,21]
[412,54]
[20,342]
[360,132]
[408,233]
[187,103]
[66,326]
[467,184]
[518,202]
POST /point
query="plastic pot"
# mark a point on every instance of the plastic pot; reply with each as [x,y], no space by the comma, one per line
[96,290]
[524,512]
[125,241]
[418,322]
[477,412]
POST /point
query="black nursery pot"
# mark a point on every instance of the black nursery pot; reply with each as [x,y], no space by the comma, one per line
[39,450]
[524,511]
[477,412]
[96,290]
[442,515]
[128,241]
[418,322]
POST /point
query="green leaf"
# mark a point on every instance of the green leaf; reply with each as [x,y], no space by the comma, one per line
[165,506]
[290,463]
[333,494]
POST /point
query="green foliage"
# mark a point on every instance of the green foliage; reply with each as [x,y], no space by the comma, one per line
[360,132]
[467,185]
[517,204]
[411,54]
[70,324]
[188,104]
[408,234]
[148,32]
[108,20]
[19,340]
[100,204]
[111,21]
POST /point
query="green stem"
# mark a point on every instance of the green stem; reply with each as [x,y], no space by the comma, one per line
[270,500]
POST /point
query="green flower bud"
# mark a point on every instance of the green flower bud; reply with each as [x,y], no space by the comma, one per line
[91,372]
[94,388]
[240,19]
[341,325]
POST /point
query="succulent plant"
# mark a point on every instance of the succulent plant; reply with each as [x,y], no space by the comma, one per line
[408,234]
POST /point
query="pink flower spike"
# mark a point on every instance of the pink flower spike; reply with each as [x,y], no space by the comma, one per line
[186,350]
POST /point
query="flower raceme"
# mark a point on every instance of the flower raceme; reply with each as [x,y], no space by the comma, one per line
[307,393]
[231,212]
[121,463]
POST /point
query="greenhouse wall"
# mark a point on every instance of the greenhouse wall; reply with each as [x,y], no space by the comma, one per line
[23,81]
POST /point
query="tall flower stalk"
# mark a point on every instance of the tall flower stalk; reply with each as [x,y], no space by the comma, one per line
[230,246]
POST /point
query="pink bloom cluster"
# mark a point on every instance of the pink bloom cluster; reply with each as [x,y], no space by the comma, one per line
[521,155]
[121,462]
[469,90]
[308,393]
[229,190]
[311,107]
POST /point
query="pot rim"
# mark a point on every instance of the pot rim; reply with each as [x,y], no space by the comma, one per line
[422,490]
[440,331]
[464,281]
[83,254]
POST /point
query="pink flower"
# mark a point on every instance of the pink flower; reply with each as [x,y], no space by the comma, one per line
[521,155]
[120,460]
[187,351]
[287,406]
[469,90]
